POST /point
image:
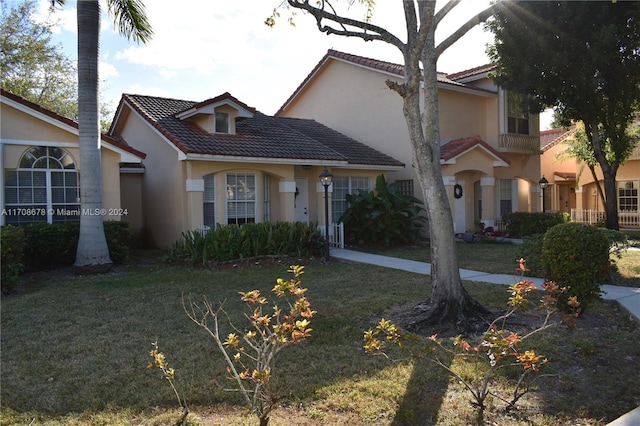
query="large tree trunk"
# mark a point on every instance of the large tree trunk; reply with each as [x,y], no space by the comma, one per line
[92,255]
[450,305]
[609,171]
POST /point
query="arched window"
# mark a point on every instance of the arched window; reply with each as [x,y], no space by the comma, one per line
[44,188]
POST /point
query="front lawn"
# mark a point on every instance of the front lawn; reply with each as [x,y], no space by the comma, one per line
[75,351]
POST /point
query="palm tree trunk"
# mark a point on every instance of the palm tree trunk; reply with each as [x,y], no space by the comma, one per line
[92,255]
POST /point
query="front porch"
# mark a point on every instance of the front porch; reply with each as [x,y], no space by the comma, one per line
[626,219]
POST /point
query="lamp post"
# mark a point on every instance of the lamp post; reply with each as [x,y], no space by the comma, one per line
[543,185]
[325,180]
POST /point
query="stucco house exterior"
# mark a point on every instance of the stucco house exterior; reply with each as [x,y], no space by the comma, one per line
[221,161]
[40,161]
[572,187]
[490,147]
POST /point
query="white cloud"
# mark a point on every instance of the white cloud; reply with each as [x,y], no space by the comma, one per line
[107,70]
[167,73]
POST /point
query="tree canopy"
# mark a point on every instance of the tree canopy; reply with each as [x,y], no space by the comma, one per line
[582,58]
[31,65]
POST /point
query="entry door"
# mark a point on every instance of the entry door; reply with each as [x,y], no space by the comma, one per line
[302,200]
[459,215]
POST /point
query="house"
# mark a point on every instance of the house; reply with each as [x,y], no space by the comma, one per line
[40,160]
[221,161]
[490,145]
[572,186]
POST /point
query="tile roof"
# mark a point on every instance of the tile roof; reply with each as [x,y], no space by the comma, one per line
[375,64]
[552,137]
[457,147]
[471,72]
[260,136]
[117,142]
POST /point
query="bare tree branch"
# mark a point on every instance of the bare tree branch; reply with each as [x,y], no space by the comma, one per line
[369,32]
[446,9]
[480,17]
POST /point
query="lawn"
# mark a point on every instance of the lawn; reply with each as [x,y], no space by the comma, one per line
[75,351]
[499,257]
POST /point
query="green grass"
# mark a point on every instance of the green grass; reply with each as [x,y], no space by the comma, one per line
[500,258]
[75,350]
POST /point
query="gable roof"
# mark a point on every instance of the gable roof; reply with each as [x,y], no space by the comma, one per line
[384,67]
[451,150]
[35,109]
[258,138]
[552,137]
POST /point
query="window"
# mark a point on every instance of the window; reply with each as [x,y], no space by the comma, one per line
[241,198]
[628,197]
[517,114]
[209,201]
[343,185]
[44,188]
[505,196]
[405,187]
[266,196]
[222,122]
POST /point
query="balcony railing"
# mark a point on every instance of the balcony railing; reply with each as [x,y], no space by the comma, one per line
[511,142]
[626,219]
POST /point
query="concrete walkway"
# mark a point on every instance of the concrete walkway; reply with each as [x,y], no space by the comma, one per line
[627,297]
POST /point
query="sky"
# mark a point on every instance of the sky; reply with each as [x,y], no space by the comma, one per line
[208,47]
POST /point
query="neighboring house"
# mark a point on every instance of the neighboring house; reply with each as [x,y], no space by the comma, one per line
[222,162]
[572,188]
[490,146]
[40,160]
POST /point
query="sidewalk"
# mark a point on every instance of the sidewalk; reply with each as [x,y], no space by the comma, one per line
[627,297]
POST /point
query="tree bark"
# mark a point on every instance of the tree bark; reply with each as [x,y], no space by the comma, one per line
[609,171]
[92,255]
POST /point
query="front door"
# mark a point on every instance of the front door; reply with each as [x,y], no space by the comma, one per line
[459,208]
[302,200]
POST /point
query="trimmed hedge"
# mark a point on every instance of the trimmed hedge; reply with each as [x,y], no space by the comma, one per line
[233,242]
[12,244]
[576,256]
[524,224]
[54,245]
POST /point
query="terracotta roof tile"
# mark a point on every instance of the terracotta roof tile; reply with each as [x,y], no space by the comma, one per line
[552,137]
[456,147]
[260,136]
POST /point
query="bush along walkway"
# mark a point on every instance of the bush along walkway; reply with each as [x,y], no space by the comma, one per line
[627,297]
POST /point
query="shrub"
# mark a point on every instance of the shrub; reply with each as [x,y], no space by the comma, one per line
[523,224]
[576,256]
[54,245]
[11,260]
[118,235]
[531,249]
[233,242]
[51,245]
[385,216]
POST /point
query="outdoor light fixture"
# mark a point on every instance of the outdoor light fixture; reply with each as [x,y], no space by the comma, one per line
[543,185]
[325,180]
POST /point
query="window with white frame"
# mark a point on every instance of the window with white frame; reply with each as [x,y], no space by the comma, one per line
[221,122]
[241,198]
[209,201]
[517,114]
[628,196]
[266,198]
[44,188]
[505,196]
[343,185]
[405,186]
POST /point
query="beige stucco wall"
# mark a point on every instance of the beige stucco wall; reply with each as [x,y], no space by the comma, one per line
[130,192]
[357,102]
[163,192]
[21,131]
